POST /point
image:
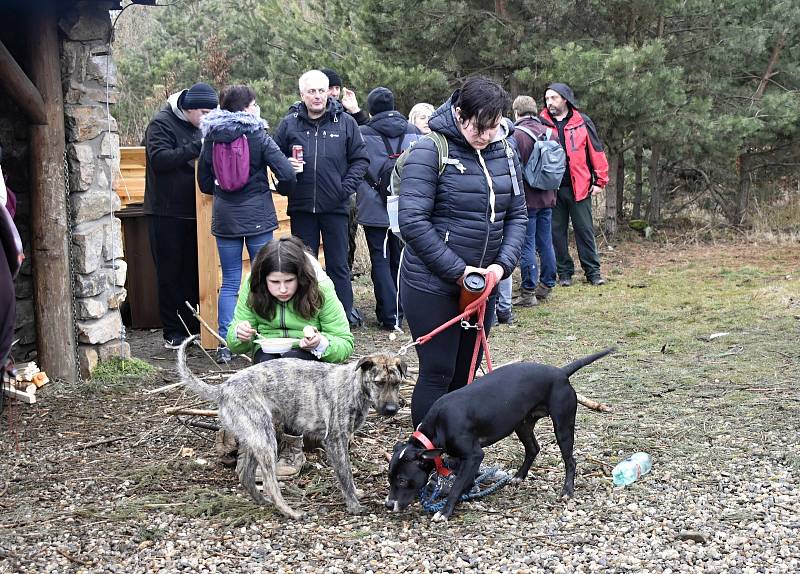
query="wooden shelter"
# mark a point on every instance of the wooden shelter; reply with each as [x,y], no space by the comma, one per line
[47,50]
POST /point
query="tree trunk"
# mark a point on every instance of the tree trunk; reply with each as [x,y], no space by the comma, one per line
[742,192]
[780,42]
[52,279]
[637,181]
[620,185]
[655,185]
[610,216]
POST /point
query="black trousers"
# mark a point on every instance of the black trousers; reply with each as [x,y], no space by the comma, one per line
[173,243]
[8,302]
[333,227]
[444,361]
[383,271]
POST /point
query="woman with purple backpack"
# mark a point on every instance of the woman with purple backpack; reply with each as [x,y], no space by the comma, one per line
[233,167]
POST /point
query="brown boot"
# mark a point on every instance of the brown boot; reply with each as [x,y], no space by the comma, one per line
[291,458]
[527,298]
[226,446]
[542,291]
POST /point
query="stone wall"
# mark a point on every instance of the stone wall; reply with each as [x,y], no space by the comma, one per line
[89,82]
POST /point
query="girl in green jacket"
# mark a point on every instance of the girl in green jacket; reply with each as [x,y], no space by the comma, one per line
[289,296]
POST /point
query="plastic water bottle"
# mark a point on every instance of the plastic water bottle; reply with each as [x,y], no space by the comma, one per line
[627,471]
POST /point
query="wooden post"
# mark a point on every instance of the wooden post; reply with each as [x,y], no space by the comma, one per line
[207,265]
[52,280]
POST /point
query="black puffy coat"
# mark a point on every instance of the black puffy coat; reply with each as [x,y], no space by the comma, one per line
[172,145]
[448,221]
[394,126]
[335,155]
[250,210]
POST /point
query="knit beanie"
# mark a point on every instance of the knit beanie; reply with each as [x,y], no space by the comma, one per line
[199,96]
[565,92]
[333,77]
[380,100]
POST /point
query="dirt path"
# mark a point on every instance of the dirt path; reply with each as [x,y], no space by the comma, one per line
[719,415]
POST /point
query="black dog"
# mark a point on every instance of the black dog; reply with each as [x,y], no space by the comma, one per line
[510,398]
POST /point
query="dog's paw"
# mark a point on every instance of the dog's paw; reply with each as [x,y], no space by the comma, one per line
[355,508]
[516,481]
[439,517]
[359,493]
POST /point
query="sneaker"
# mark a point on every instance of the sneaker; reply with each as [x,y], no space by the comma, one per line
[174,342]
[565,281]
[542,291]
[224,355]
[527,298]
[597,281]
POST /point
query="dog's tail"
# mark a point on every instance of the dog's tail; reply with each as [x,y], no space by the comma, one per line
[580,363]
[206,391]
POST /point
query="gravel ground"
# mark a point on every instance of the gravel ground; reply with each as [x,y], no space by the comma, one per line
[722,496]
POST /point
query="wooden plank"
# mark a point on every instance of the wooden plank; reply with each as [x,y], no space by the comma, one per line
[208,265]
[129,183]
[52,280]
[17,85]
[18,394]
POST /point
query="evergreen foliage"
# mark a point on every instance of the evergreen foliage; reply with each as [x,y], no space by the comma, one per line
[702,97]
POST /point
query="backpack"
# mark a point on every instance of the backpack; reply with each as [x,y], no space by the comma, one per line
[393,198]
[393,201]
[547,162]
[231,163]
[383,182]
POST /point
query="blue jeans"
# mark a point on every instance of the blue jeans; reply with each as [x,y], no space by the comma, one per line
[538,239]
[504,292]
[230,257]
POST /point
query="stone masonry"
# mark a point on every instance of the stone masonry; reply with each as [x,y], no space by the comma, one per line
[89,82]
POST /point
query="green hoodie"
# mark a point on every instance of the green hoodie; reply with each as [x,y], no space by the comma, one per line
[330,320]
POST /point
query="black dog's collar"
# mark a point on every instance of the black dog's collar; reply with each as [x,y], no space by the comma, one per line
[441,469]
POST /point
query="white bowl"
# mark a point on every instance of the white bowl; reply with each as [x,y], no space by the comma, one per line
[276,345]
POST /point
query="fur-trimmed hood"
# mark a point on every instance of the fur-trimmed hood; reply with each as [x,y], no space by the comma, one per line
[223,126]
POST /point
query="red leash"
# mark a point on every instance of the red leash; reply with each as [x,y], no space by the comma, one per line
[477,306]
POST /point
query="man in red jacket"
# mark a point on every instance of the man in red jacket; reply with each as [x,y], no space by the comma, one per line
[586,175]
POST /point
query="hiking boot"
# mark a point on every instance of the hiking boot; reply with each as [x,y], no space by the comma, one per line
[224,355]
[527,298]
[291,458]
[542,291]
[226,447]
[597,281]
[505,318]
[565,281]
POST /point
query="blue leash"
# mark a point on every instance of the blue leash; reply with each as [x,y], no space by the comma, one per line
[434,494]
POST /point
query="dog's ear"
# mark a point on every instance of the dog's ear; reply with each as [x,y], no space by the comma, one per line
[431,453]
[401,366]
[365,363]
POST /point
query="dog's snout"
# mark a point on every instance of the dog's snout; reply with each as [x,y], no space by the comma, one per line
[390,409]
[392,505]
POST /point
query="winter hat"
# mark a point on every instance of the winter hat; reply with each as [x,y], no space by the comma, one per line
[380,100]
[565,92]
[199,96]
[333,77]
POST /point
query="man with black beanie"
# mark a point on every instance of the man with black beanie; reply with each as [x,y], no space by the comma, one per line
[172,143]
[347,97]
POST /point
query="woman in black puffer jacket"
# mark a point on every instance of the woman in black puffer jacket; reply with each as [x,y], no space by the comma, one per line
[245,216]
[472,217]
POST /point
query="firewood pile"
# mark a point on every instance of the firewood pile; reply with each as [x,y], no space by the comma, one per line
[29,378]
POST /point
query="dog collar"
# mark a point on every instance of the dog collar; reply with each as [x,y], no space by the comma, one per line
[441,469]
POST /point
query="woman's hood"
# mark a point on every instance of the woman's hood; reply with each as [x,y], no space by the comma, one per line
[224,126]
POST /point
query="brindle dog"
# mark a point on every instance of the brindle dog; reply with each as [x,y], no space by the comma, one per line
[322,400]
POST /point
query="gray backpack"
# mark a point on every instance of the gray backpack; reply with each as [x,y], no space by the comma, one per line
[547,162]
